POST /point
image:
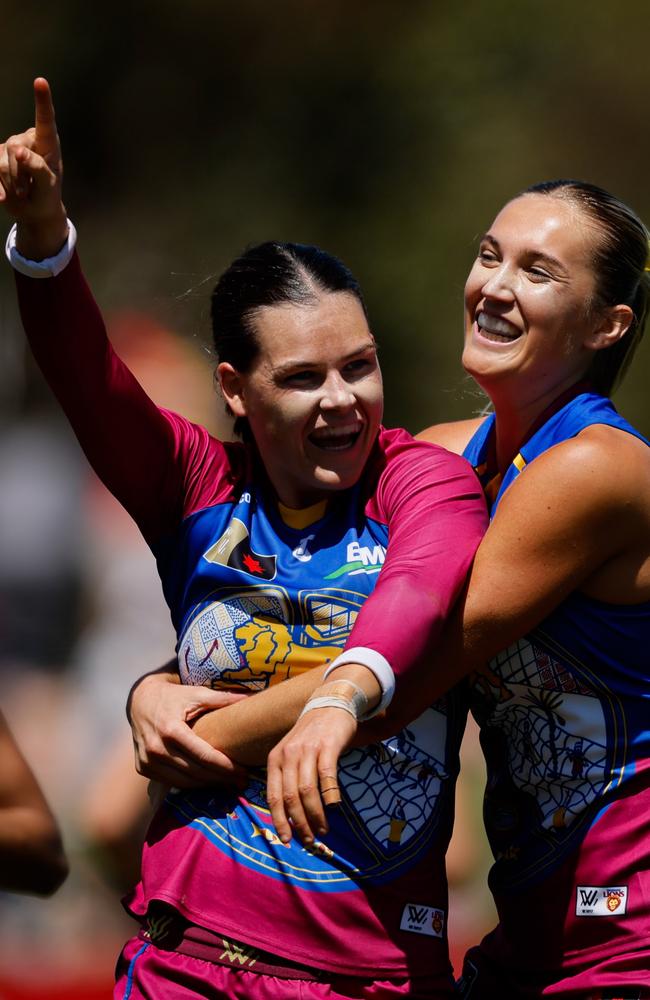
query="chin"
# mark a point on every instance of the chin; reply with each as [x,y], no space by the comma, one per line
[484,364]
[330,480]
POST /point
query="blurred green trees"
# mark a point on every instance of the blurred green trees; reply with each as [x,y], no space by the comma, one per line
[388,133]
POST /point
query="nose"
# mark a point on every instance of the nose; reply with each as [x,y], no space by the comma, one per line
[498,283]
[337,393]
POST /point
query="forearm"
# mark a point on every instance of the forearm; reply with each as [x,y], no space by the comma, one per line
[43,239]
[247,731]
[436,515]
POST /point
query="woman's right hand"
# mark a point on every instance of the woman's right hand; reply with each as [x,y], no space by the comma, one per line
[161,711]
[302,773]
[31,173]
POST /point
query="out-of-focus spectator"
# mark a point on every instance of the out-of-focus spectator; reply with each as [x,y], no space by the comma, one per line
[31,851]
[114,815]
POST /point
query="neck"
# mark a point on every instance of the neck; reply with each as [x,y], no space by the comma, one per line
[515,419]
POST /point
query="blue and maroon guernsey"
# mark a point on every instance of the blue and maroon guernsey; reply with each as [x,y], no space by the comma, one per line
[264,602]
[564,727]
[256,598]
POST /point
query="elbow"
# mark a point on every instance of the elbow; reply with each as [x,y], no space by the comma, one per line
[53,874]
[33,862]
[49,867]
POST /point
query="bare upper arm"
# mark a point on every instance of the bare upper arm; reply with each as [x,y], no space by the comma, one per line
[575,512]
[453,436]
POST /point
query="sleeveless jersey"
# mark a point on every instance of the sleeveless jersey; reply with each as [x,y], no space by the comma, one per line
[256,601]
[564,727]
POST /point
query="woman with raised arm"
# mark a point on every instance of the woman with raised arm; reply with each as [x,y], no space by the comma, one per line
[555,305]
[269,552]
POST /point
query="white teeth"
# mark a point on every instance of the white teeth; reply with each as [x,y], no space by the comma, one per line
[336,438]
[332,432]
[496,325]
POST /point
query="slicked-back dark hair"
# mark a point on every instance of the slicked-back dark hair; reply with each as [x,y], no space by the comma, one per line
[269,274]
[620,261]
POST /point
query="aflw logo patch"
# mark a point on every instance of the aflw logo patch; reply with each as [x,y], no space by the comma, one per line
[423,920]
[600,901]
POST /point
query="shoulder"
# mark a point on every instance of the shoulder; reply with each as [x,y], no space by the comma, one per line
[610,459]
[454,436]
[214,471]
[400,450]
[599,479]
[193,438]
[577,516]
[424,477]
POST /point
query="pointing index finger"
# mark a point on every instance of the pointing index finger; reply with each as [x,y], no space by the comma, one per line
[45,120]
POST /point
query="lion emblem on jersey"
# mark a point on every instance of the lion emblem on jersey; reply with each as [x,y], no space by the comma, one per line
[257,636]
[613,900]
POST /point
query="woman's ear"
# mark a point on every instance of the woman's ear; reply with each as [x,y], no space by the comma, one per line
[613,323]
[231,383]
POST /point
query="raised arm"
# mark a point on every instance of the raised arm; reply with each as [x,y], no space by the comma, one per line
[140,451]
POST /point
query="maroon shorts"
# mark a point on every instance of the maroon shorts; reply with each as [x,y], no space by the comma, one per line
[146,972]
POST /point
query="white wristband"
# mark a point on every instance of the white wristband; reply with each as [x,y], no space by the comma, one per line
[377,664]
[48,268]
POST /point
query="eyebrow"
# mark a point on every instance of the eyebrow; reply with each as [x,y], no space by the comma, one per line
[291,366]
[537,254]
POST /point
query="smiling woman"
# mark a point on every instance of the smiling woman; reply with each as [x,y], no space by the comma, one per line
[563,272]
[269,552]
[533,307]
[298,367]
[556,619]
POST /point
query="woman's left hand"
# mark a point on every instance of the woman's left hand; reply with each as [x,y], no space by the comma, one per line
[302,773]
[161,712]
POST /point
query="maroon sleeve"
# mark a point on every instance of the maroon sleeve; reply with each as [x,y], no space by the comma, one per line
[434,507]
[147,457]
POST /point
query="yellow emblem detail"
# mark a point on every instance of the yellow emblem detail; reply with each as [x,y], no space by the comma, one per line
[271,652]
[234,952]
[269,836]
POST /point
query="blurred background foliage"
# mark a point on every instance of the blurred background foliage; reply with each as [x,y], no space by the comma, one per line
[388,133]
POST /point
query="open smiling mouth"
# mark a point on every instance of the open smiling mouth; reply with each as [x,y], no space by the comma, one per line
[496,329]
[335,438]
